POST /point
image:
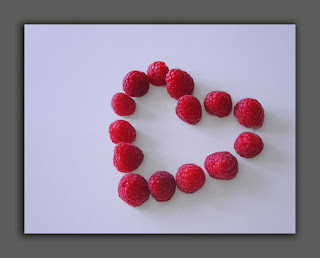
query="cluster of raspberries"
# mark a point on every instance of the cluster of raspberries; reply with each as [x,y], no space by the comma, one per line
[135,189]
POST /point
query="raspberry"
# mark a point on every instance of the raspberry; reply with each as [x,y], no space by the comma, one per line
[221,165]
[162,186]
[157,73]
[122,131]
[179,83]
[189,109]
[127,157]
[249,113]
[133,189]
[136,84]
[190,178]
[218,103]
[248,145]
[123,105]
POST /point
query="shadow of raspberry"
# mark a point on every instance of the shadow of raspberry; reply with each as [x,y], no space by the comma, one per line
[272,156]
[276,123]
[209,122]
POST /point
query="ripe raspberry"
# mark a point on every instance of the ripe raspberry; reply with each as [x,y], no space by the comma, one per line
[179,83]
[122,131]
[218,103]
[248,145]
[136,84]
[133,189]
[123,105]
[189,109]
[249,113]
[221,165]
[157,73]
[127,157]
[190,178]
[162,186]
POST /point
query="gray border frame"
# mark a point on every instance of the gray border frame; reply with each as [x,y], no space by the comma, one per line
[15,13]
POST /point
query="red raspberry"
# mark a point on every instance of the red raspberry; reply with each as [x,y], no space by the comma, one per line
[249,113]
[123,105]
[133,189]
[190,178]
[189,109]
[122,131]
[162,186]
[248,145]
[127,157]
[157,72]
[218,103]
[221,165]
[179,83]
[136,84]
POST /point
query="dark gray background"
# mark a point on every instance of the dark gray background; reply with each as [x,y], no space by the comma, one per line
[14,14]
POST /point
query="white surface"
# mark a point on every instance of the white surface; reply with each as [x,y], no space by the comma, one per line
[71,73]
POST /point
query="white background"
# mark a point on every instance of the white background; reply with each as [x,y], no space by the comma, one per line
[71,74]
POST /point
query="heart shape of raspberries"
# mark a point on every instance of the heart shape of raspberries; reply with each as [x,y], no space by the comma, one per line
[135,189]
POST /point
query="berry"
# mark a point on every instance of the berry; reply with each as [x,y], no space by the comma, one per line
[123,105]
[122,131]
[157,72]
[221,165]
[162,186]
[189,109]
[127,157]
[218,103]
[190,178]
[249,113]
[136,84]
[179,83]
[248,145]
[133,189]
